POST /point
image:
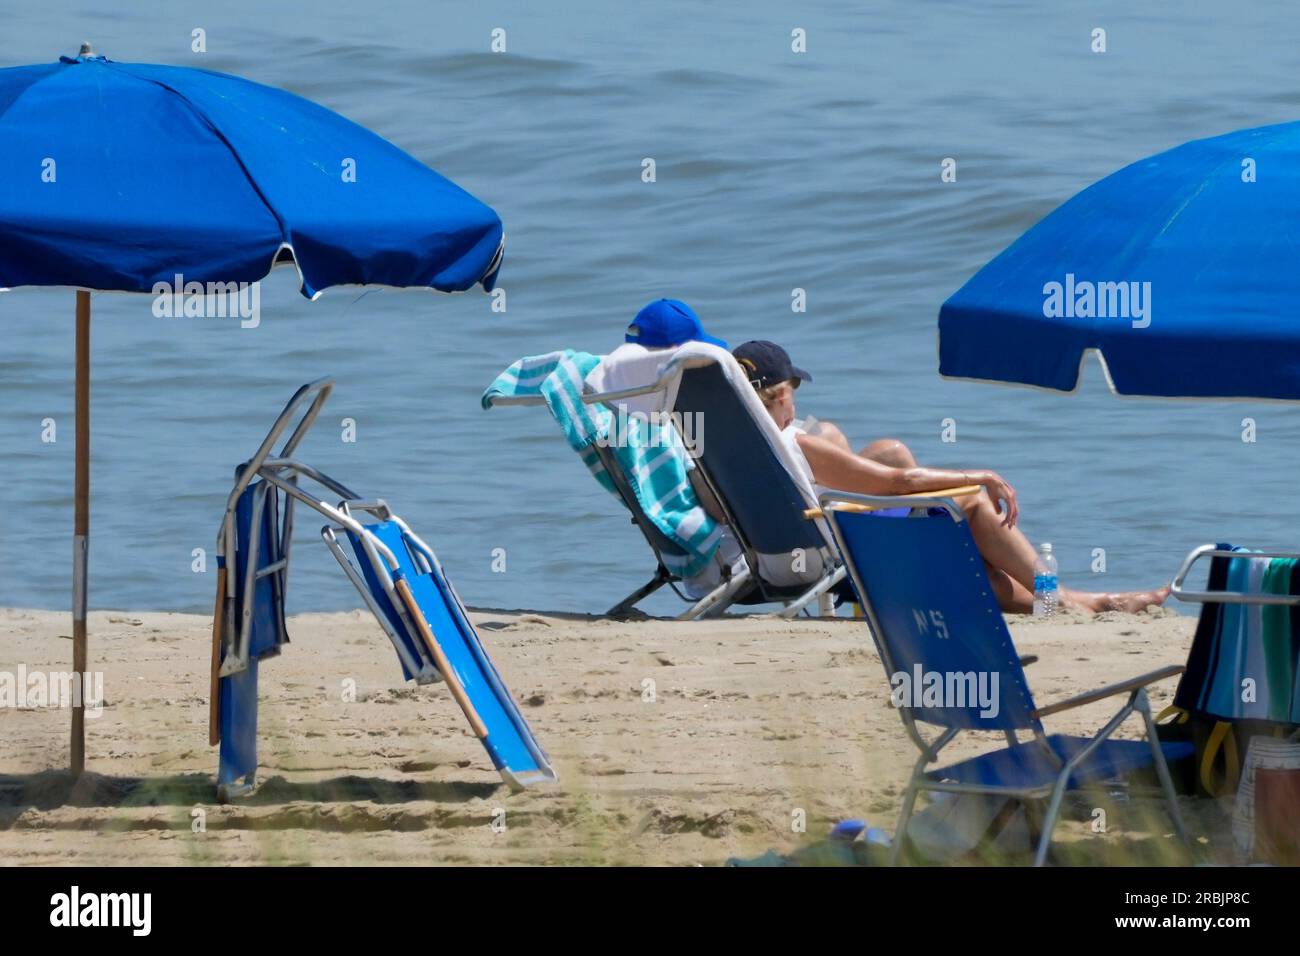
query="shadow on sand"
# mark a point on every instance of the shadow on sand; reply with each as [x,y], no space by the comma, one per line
[51,789]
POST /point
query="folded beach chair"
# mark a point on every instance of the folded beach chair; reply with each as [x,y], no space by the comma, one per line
[250,602]
[743,460]
[943,640]
[398,577]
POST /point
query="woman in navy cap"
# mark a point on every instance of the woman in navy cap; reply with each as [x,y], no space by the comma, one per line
[888,468]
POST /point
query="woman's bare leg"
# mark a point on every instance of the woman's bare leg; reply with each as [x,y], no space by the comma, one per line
[1008,555]
[1131,601]
[889,451]
[831,432]
[1012,596]
[1008,551]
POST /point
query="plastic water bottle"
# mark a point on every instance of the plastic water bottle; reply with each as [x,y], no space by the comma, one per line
[1045,586]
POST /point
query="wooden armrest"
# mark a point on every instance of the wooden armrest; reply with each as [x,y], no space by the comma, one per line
[1102,693]
[853,506]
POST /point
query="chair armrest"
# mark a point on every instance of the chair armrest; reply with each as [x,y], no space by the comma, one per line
[1102,693]
[1225,596]
[1028,659]
[896,501]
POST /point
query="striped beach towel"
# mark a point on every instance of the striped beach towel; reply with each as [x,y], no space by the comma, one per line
[1245,659]
[649,451]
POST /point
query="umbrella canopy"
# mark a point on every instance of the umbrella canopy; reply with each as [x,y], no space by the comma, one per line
[127,177]
[121,175]
[1182,271]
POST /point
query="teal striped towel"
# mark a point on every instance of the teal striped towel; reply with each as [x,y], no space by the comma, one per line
[650,453]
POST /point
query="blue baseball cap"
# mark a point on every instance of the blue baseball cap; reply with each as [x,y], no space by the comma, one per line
[668,322]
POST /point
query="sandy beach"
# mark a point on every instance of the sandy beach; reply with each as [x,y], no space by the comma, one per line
[676,743]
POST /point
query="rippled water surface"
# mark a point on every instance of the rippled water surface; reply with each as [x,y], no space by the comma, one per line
[775,171]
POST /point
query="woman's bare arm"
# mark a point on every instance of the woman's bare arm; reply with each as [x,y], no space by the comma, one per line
[834,467]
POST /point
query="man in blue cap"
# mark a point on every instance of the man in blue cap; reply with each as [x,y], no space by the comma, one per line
[662,324]
[659,327]
[667,323]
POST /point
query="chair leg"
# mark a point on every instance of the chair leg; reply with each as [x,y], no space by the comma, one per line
[1049,819]
[817,590]
[719,599]
[1162,768]
[650,587]
[904,818]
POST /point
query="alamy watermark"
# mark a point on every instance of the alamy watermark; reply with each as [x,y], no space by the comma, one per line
[28,690]
[211,300]
[946,689]
[1083,299]
[133,911]
[655,429]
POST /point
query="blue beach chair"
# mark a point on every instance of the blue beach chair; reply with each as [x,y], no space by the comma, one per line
[398,577]
[926,596]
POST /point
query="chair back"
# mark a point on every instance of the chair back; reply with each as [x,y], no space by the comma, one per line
[946,649]
[765,505]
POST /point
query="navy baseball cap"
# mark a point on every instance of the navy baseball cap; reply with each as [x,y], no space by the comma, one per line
[667,322]
[766,363]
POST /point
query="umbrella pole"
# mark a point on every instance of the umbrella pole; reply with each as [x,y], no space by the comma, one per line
[81,530]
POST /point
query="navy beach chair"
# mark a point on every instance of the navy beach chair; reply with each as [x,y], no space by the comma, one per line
[764,505]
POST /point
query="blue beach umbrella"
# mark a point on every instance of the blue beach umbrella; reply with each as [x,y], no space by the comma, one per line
[1181,272]
[139,178]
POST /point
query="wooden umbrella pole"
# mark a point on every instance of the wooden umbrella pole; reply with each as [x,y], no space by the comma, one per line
[81,529]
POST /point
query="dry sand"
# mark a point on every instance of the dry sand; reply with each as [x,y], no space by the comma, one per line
[752,720]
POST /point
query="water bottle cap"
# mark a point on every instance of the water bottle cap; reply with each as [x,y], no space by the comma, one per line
[1045,547]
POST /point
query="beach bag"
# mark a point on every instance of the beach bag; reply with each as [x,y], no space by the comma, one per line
[1219,745]
[1266,816]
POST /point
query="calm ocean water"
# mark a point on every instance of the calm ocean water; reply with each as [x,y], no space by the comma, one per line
[775,171]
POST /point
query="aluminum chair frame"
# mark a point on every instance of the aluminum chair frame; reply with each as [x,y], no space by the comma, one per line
[834,501]
[300,411]
[285,473]
[1179,589]
[731,586]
